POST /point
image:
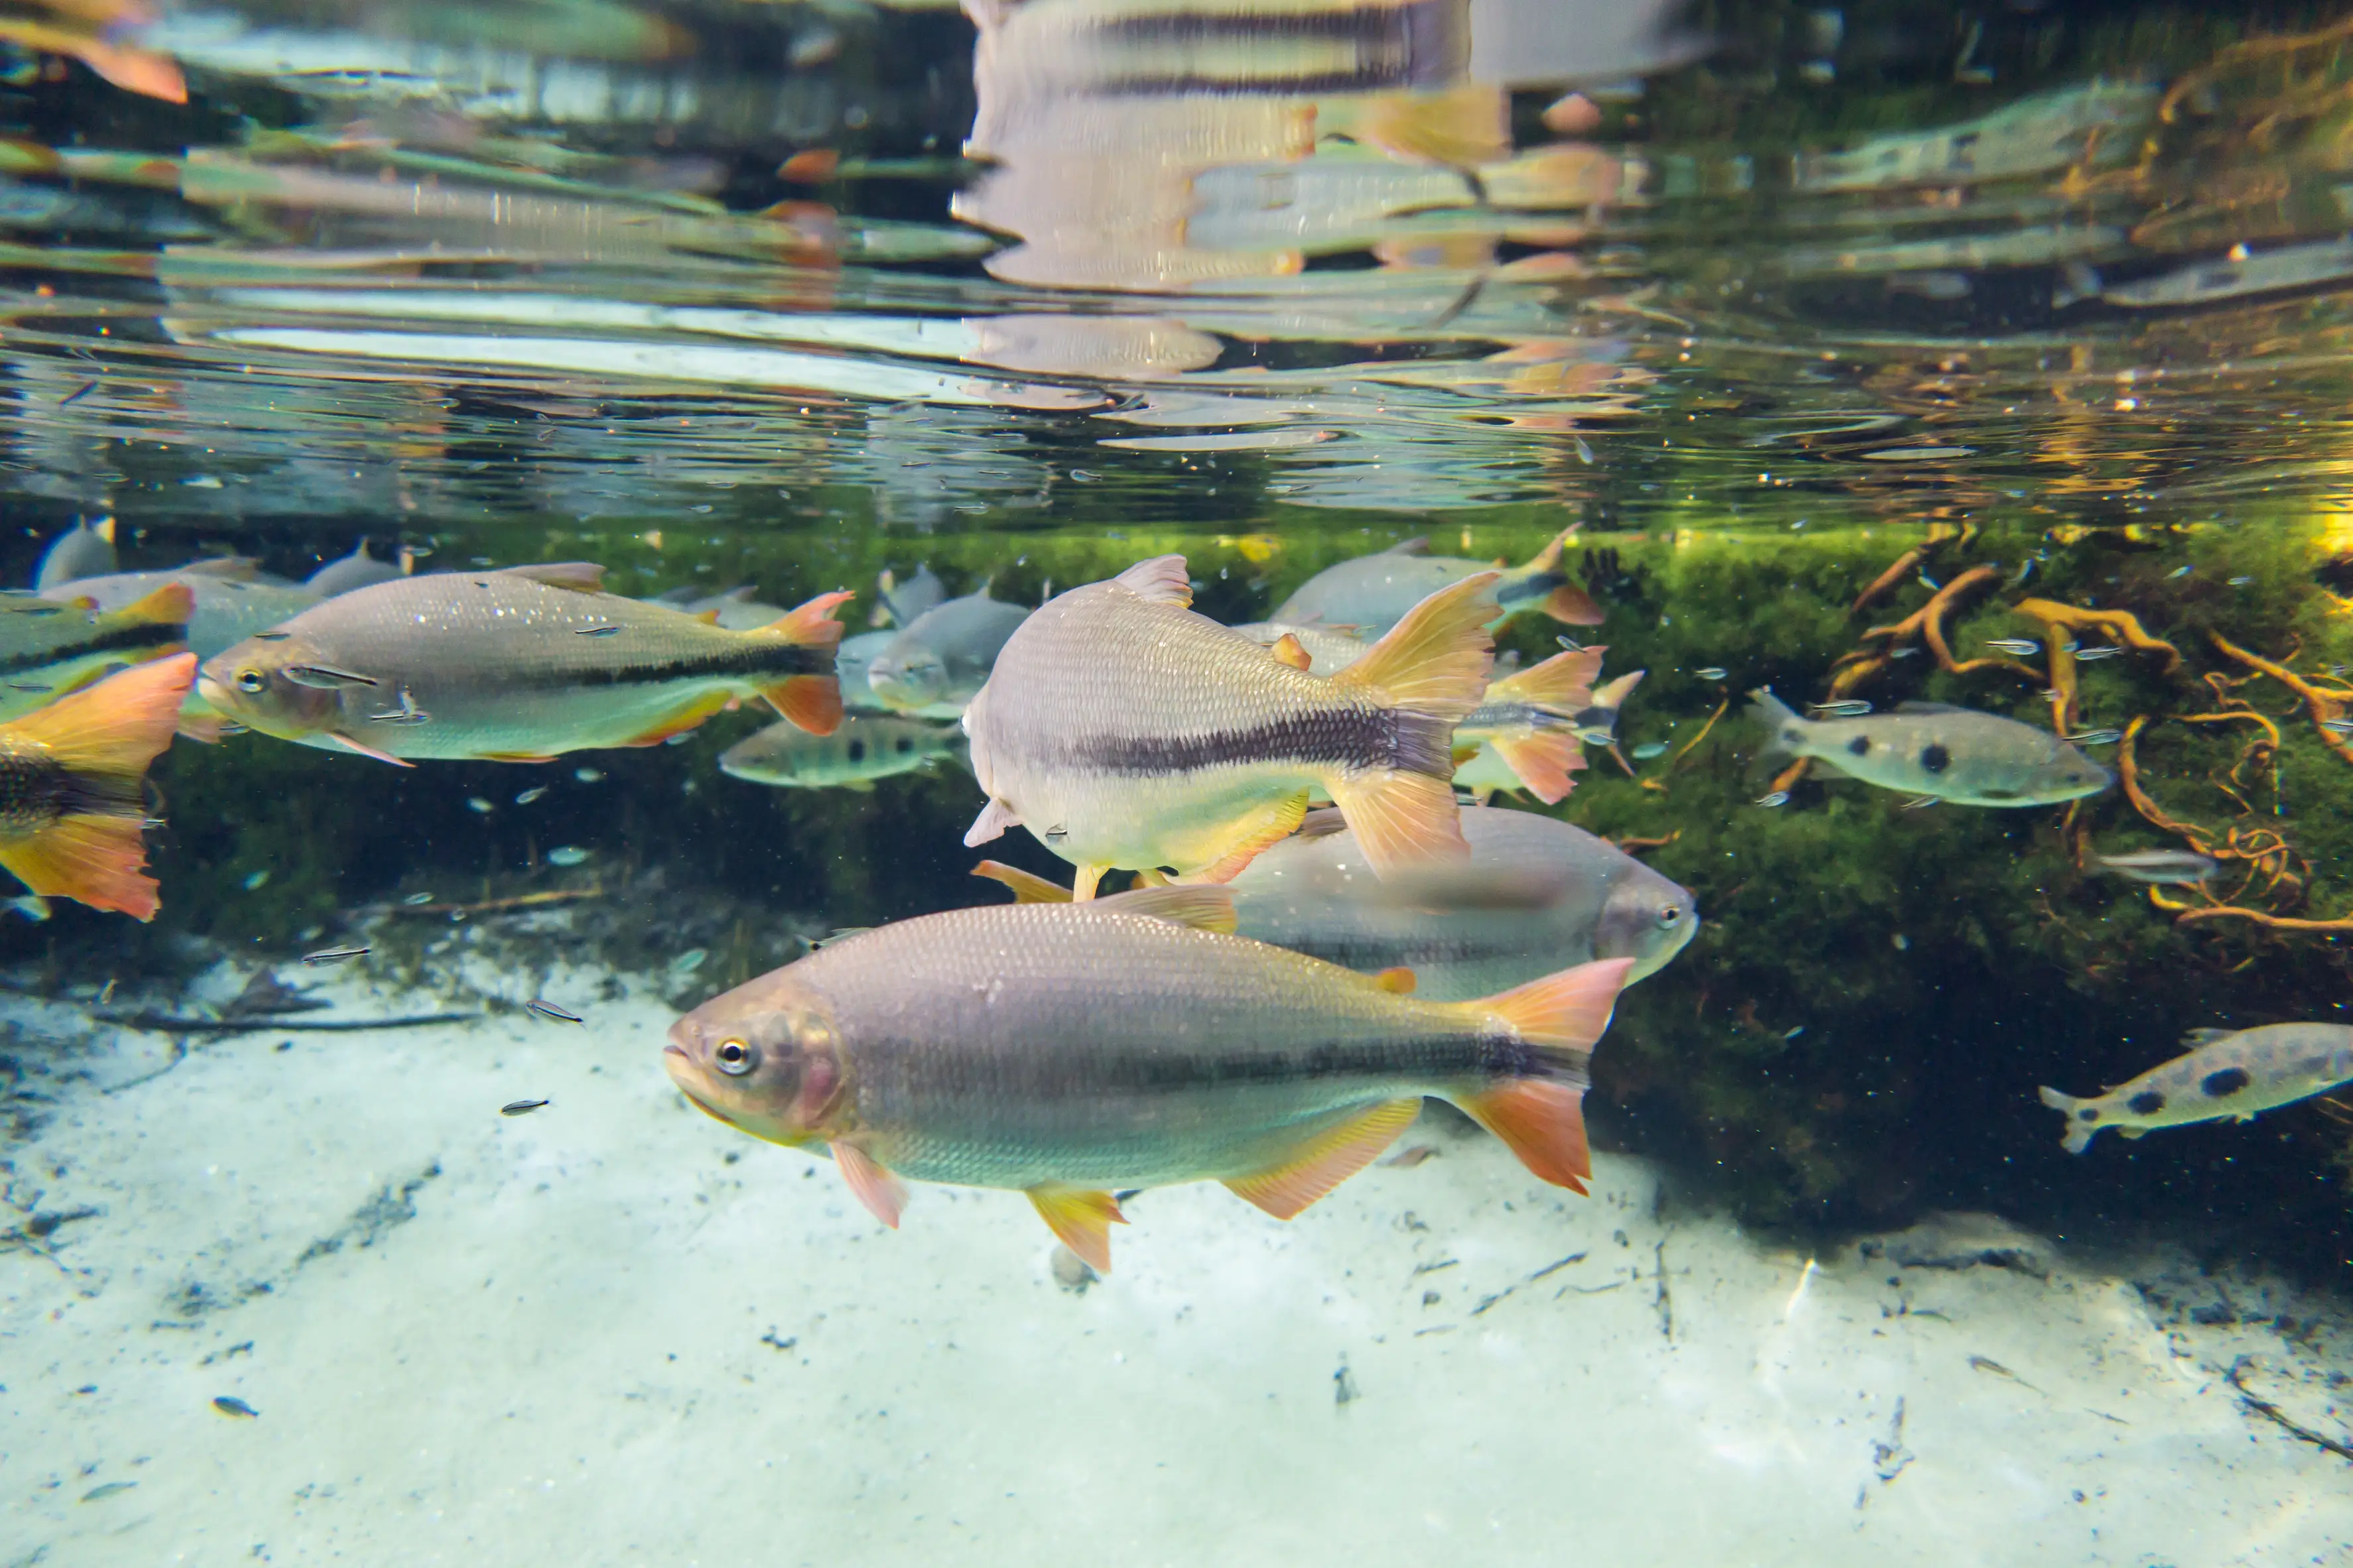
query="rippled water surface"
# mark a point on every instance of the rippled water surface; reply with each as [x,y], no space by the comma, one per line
[1986,356]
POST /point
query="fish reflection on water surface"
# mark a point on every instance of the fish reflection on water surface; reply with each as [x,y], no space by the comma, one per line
[1070,1051]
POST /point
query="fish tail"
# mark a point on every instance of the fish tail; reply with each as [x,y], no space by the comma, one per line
[1562,598]
[811,624]
[1435,661]
[811,703]
[1787,730]
[1542,761]
[1027,887]
[2079,1133]
[1562,684]
[1541,1116]
[102,738]
[169,605]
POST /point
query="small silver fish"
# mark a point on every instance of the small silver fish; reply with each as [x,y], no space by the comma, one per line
[567,854]
[1778,797]
[1919,802]
[230,1405]
[588,776]
[256,881]
[521,1107]
[1647,750]
[2337,726]
[32,906]
[601,629]
[2097,738]
[547,1009]
[1711,672]
[2231,1072]
[476,803]
[529,795]
[2181,867]
[403,710]
[326,955]
[2088,655]
[1929,581]
[2177,572]
[2239,582]
[416,900]
[1849,708]
[326,676]
[2017,647]
[1903,653]
[105,1489]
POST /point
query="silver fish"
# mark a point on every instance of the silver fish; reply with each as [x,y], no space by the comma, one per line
[2091,655]
[1124,730]
[358,570]
[2019,647]
[2097,738]
[1847,707]
[737,610]
[851,663]
[906,603]
[547,1009]
[1953,755]
[1536,895]
[865,747]
[1373,593]
[229,601]
[1712,672]
[327,955]
[933,668]
[1778,797]
[2234,1073]
[1074,1051]
[85,550]
[2181,867]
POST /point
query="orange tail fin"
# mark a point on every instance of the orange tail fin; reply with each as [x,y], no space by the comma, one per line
[1543,1119]
[813,702]
[1436,660]
[102,738]
[1542,762]
[811,624]
[1562,684]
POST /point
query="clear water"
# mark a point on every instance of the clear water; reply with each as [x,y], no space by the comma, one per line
[1785,301]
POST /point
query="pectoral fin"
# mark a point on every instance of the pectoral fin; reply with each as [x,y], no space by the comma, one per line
[811,703]
[686,716]
[884,1194]
[1325,1160]
[1251,835]
[365,750]
[994,819]
[1081,1220]
[1027,887]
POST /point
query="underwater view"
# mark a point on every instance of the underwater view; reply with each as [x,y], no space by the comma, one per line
[1225,782]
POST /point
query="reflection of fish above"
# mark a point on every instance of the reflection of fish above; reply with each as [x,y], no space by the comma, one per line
[2036,135]
[863,748]
[2232,1072]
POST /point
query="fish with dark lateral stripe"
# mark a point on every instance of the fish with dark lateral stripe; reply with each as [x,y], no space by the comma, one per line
[2231,1072]
[49,649]
[1076,1051]
[1123,730]
[71,802]
[490,665]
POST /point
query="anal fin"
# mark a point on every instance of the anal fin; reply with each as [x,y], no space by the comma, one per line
[1325,1160]
[884,1195]
[1082,1220]
[688,715]
[1542,1121]
[1401,817]
[811,703]
[1254,831]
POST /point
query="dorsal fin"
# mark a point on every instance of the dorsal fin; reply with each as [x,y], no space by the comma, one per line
[708,617]
[1161,580]
[579,576]
[1206,908]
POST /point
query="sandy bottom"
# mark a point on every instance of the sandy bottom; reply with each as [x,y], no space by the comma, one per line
[614,1331]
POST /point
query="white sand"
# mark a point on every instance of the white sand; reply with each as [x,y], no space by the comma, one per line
[615,1331]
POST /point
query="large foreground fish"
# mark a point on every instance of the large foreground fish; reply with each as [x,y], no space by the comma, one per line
[1123,730]
[1070,1051]
[2232,1072]
[1536,895]
[1373,593]
[515,666]
[72,805]
[1927,749]
[48,648]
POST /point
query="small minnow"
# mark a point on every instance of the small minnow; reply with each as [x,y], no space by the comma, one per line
[527,797]
[588,776]
[1903,652]
[1569,645]
[1929,583]
[2097,738]
[1712,672]
[2241,581]
[1647,750]
[547,1009]
[1919,801]
[334,955]
[2086,655]
[1778,797]
[403,710]
[87,387]
[476,803]
[2177,572]
[567,854]
[2020,646]
[2337,671]
[326,676]
[604,629]
[2231,1072]
[416,898]
[2337,726]
[1849,708]
[2181,867]
[230,1405]
[2025,571]
[256,881]
[105,1489]
[521,1107]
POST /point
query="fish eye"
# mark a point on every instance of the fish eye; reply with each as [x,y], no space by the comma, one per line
[1669,917]
[734,1057]
[252,680]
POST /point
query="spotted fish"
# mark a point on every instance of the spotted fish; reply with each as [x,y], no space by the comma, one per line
[1930,750]
[2231,1072]
[866,747]
[1123,730]
[1072,1051]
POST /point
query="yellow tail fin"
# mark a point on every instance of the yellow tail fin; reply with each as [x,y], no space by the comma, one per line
[1562,684]
[1436,660]
[1543,1119]
[113,729]
[1401,818]
[811,624]
[1542,762]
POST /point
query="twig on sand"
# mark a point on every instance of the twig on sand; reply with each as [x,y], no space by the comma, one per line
[2280,1419]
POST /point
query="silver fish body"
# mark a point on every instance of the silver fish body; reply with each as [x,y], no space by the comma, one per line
[2179,867]
[2232,1073]
[1536,895]
[1954,754]
[850,662]
[737,609]
[85,550]
[228,610]
[1328,651]
[935,664]
[906,602]
[863,748]
[514,664]
[358,570]
[1372,593]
